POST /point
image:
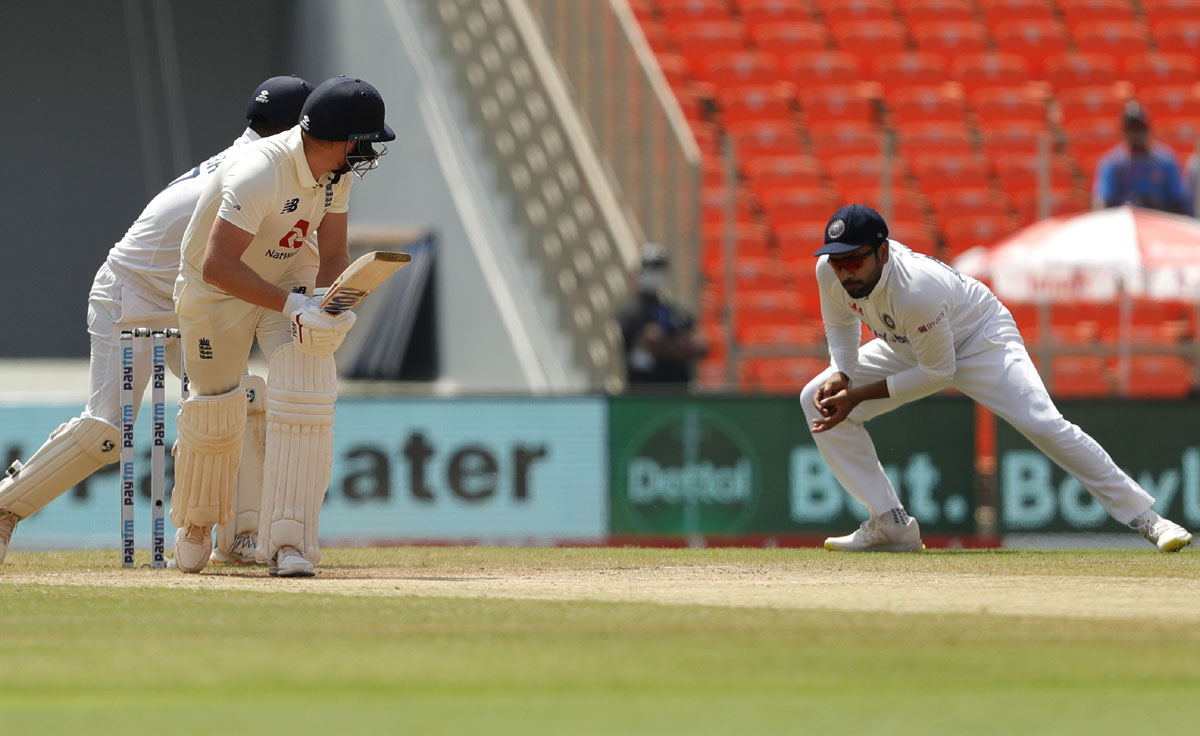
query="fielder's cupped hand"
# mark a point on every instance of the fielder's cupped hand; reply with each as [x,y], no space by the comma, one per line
[833,402]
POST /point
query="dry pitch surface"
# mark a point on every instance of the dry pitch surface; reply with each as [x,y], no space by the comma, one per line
[1089,584]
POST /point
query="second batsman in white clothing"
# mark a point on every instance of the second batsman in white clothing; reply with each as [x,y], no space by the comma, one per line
[133,289]
[249,263]
[934,328]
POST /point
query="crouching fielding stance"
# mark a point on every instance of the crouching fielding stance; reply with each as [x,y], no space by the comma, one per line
[248,261]
[934,328]
[133,288]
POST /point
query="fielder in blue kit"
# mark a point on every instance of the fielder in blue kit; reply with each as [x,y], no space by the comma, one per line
[934,329]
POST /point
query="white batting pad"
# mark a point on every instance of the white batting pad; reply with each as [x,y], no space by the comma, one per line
[74,451]
[207,457]
[301,392]
[247,493]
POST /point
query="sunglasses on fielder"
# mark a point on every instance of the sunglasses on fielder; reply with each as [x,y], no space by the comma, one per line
[854,262]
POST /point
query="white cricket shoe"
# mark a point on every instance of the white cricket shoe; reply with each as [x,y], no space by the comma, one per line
[289,563]
[1162,533]
[241,552]
[891,531]
[8,522]
[193,545]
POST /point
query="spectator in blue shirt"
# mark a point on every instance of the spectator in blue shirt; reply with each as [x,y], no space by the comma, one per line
[1138,171]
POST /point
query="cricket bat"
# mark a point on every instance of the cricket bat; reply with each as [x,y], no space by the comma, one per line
[361,278]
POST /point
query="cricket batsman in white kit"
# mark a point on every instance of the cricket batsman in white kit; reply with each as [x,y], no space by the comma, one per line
[934,328]
[249,264]
[133,288]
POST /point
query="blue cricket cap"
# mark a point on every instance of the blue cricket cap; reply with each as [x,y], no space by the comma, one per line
[852,227]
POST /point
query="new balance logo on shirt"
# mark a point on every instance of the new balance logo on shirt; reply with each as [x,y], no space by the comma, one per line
[289,206]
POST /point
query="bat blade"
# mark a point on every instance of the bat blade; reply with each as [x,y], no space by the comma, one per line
[361,278]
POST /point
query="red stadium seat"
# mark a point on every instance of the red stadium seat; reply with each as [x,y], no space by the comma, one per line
[677,12]
[707,137]
[765,138]
[1152,70]
[740,69]
[1171,11]
[1019,173]
[796,242]
[1077,12]
[951,170]
[782,38]
[757,13]
[1032,40]
[767,173]
[831,103]
[1115,39]
[1008,137]
[805,333]
[1079,376]
[1159,376]
[867,39]
[937,11]
[1080,70]
[753,102]
[1182,134]
[952,203]
[1171,102]
[1081,103]
[855,11]
[916,234]
[964,233]
[821,68]
[1063,201]
[644,10]
[714,204]
[799,204]
[861,172]
[990,69]
[1178,36]
[925,104]
[908,69]
[950,39]
[697,40]
[839,139]
[935,138]
[674,68]
[657,36]
[997,104]
[905,203]
[996,12]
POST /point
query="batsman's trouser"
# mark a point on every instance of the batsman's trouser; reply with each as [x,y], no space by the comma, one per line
[995,369]
[218,332]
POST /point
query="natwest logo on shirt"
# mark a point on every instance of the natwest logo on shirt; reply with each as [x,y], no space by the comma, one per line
[295,237]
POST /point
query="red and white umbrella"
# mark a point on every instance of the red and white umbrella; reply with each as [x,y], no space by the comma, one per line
[1093,257]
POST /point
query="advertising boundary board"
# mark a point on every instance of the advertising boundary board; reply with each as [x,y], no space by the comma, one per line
[704,470]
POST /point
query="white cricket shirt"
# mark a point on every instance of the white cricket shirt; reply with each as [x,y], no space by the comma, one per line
[925,310]
[148,255]
[268,191]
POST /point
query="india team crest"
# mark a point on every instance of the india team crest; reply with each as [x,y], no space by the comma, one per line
[836,228]
[887,320]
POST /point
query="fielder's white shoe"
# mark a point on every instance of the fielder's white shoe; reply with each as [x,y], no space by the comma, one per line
[289,563]
[891,531]
[1162,533]
[8,522]
[193,545]
[241,552]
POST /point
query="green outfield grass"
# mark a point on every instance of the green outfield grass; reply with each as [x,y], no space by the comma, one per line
[129,654]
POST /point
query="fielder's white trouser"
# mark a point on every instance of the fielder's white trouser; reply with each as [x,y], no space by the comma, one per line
[85,444]
[995,370]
